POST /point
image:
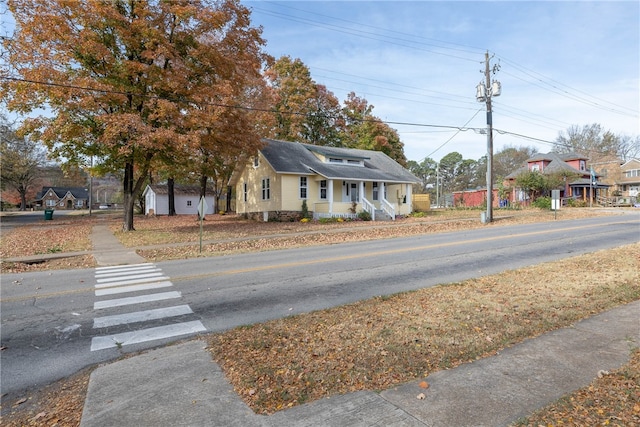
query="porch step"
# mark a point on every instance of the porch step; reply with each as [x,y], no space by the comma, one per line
[382,215]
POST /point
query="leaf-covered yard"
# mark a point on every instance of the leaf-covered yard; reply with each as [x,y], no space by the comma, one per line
[381,342]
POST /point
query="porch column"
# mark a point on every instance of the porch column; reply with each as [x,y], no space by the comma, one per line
[330,195]
[361,192]
[383,191]
[409,194]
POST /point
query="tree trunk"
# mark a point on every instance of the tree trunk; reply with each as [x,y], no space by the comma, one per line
[172,197]
[129,199]
[23,199]
[229,195]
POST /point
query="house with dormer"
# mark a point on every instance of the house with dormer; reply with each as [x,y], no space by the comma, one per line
[581,182]
[66,198]
[332,182]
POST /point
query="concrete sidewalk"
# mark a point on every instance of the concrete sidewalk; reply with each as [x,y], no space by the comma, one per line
[180,385]
[107,250]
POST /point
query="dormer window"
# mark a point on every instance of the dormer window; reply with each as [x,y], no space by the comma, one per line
[354,162]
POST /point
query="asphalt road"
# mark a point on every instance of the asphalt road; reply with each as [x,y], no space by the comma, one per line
[49,318]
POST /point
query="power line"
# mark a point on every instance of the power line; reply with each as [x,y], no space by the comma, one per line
[364,34]
[553,87]
[458,129]
[212,104]
[452,136]
[474,50]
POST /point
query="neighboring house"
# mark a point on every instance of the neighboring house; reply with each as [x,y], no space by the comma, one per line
[186,199]
[583,183]
[628,184]
[335,182]
[62,198]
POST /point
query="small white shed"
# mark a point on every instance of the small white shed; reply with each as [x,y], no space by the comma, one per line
[186,197]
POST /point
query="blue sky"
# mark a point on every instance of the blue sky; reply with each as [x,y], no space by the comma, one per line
[418,62]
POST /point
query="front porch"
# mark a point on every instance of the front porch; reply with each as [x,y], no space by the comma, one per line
[346,199]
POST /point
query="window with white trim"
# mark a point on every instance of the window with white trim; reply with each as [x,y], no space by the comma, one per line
[51,202]
[323,189]
[256,161]
[303,187]
[188,203]
[266,189]
[375,191]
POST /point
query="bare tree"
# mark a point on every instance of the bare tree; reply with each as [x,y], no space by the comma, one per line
[21,159]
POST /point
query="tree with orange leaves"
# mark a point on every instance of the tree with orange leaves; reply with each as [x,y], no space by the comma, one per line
[128,81]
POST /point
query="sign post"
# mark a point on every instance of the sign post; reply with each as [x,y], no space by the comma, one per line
[555,202]
[202,209]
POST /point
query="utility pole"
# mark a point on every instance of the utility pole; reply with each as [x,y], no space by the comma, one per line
[437,185]
[484,92]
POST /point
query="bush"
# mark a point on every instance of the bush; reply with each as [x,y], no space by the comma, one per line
[364,216]
[542,203]
[576,203]
[305,209]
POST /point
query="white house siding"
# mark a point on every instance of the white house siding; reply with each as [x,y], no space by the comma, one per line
[183,208]
[158,204]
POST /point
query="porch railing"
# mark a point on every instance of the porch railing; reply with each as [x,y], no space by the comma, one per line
[367,206]
[388,208]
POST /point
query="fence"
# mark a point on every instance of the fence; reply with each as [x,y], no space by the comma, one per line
[421,202]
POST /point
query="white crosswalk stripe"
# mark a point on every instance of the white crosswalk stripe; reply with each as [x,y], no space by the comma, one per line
[119,302]
[116,280]
[121,272]
[132,288]
[144,335]
[131,282]
[131,277]
[141,316]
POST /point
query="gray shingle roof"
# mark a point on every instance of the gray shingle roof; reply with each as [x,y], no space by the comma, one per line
[77,192]
[557,163]
[298,158]
[182,189]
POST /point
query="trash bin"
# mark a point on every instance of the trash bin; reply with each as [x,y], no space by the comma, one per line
[48,214]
